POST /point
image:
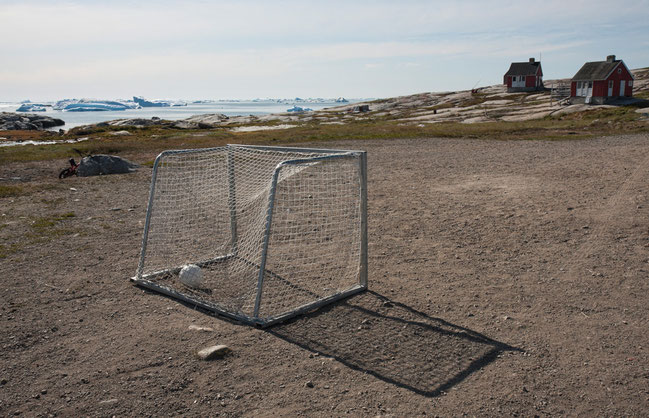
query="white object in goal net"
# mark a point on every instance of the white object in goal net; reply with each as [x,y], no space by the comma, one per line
[258,234]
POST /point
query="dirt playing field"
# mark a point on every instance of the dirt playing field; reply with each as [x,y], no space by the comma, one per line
[506,278]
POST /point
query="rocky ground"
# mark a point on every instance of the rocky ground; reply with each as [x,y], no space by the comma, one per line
[27,121]
[506,278]
[486,104]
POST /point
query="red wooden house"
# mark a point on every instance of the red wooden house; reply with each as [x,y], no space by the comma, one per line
[601,81]
[524,76]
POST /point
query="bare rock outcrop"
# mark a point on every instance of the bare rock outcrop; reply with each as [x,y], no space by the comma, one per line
[27,122]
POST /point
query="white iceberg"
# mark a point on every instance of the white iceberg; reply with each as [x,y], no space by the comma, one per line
[91,105]
[31,107]
[298,109]
[157,103]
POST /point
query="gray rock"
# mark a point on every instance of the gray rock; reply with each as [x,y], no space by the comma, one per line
[216,351]
[105,164]
[199,328]
[205,121]
[136,122]
[121,133]
[27,121]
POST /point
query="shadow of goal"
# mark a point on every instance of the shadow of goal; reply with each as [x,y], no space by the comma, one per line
[258,234]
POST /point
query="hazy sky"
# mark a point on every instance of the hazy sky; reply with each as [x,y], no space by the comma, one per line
[193,49]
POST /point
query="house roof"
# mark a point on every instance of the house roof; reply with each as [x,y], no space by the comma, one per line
[596,70]
[523,68]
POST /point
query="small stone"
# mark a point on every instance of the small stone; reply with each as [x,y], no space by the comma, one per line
[199,328]
[115,209]
[387,304]
[309,384]
[215,351]
[44,392]
[3,382]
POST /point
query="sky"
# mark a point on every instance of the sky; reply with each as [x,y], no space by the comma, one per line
[198,49]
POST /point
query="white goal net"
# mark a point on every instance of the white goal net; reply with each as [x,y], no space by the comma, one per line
[255,233]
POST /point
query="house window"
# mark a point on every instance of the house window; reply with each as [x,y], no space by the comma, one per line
[619,71]
[610,84]
[630,83]
[523,78]
[590,84]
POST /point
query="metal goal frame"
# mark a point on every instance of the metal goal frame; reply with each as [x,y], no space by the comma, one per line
[148,280]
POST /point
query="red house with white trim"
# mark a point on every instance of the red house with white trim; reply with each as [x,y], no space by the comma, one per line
[524,76]
[600,82]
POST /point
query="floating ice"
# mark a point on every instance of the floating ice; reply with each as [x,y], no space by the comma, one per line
[156,103]
[90,105]
[31,107]
[298,109]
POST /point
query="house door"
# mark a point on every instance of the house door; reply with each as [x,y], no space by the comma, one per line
[518,81]
[589,91]
[610,88]
[622,88]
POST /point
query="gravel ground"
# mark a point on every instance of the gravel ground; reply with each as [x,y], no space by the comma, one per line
[506,278]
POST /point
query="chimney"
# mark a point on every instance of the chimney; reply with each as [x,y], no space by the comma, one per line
[532,60]
[610,58]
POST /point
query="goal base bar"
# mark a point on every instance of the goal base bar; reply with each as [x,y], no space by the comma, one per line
[260,322]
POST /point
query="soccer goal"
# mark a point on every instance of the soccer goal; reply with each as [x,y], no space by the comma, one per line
[255,233]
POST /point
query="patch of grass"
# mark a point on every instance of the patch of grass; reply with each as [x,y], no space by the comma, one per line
[53,202]
[47,222]
[642,95]
[10,191]
[49,227]
[8,249]
[146,143]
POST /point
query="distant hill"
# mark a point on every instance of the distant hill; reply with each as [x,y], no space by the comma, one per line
[491,103]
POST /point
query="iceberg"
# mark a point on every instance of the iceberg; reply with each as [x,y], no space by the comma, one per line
[157,103]
[31,107]
[342,100]
[90,105]
[299,109]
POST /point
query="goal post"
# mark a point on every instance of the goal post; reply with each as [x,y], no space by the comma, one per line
[267,233]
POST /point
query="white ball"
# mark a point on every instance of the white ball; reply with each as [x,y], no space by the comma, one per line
[191,275]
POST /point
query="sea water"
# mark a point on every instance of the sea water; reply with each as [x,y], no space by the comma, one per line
[228,108]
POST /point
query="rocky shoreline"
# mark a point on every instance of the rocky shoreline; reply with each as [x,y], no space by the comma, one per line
[27,122]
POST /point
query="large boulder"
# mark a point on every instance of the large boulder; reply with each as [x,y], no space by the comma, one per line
[96,165]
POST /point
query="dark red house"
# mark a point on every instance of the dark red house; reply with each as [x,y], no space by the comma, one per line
[601,81]
[524,76]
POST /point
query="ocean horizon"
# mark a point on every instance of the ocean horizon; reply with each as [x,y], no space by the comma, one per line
[256,107]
